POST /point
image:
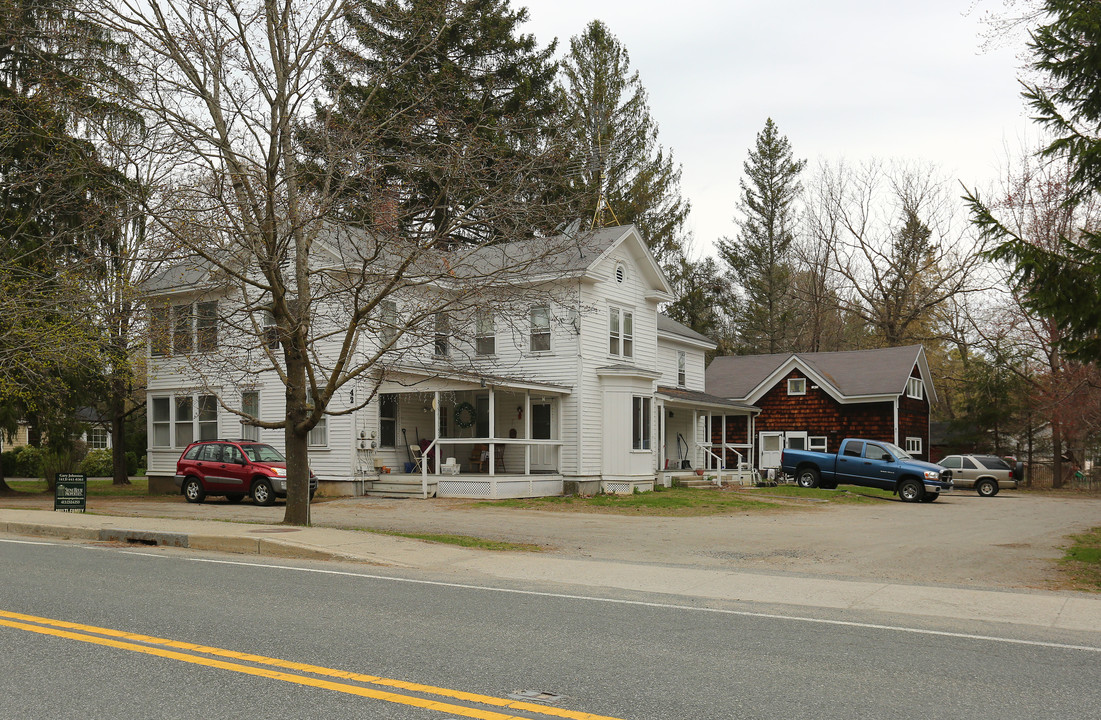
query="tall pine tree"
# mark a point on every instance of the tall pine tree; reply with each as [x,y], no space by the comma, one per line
[761,257]
[620,170]
[446,103]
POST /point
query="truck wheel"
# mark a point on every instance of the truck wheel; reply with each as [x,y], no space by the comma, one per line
[807,478]
[986,487]
[193,490]
[262,494]
[910,490]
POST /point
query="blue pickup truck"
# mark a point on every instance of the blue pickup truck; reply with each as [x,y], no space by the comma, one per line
[868,463]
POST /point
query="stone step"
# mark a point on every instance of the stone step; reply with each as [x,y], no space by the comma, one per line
[399,489]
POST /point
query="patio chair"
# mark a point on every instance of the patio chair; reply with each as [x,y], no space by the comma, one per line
[415,451]
[479,458]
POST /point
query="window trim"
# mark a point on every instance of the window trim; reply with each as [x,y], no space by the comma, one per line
[388,321]
[196,423]
[800,383]
[98,437]
[915,389]
[913,446]
[818,443]
[682,368]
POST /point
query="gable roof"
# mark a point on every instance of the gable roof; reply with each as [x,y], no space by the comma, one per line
[845,375]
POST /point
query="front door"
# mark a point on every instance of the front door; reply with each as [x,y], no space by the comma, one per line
[542,456]
[772,446]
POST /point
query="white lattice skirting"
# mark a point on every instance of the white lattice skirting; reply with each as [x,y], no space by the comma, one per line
[497,489]
[626,487]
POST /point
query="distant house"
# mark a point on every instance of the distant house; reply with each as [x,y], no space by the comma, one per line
[815,400]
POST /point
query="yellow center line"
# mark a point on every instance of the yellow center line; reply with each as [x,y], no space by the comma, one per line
[290,665]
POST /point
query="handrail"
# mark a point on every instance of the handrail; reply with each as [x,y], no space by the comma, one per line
[425,454]
[719,468]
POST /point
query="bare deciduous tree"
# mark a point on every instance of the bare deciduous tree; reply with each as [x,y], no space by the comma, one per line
[232,94]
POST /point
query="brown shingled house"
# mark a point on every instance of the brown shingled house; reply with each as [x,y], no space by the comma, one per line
[814,400]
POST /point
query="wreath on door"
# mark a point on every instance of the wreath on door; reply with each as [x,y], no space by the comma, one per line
[465,415]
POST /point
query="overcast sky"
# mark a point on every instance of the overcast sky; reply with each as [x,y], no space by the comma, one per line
[852,79]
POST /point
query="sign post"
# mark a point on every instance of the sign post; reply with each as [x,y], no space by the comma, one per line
[71,492]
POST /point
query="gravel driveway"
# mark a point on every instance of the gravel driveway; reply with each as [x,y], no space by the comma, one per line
[1008,541]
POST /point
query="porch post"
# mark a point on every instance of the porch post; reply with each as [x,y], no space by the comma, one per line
[695,449]
[492,432]
[527,433]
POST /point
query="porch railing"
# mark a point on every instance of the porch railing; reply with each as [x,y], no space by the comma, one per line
[528,444]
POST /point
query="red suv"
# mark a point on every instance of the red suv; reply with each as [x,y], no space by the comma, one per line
[234,468]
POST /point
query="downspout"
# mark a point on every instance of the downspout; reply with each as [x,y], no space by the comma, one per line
[896,420]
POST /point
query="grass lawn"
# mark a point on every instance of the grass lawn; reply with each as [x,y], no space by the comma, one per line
[681,502]
[1082,562]
[100,487]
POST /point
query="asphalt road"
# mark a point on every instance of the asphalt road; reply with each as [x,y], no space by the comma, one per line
[617,655]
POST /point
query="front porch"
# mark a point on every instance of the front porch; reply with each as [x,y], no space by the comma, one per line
[706,437]
[484,437]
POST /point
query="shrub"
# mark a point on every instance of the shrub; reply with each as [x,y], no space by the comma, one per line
[131,462]
[22,462]
[97,463]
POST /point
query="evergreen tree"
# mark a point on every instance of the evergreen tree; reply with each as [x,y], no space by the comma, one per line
[704,301]
[761,257]
[623,175]
[58,205]
[447,103]
[1063,283]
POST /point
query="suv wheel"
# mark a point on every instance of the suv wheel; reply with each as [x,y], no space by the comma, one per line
[193,490]
[986,487]
[262,494]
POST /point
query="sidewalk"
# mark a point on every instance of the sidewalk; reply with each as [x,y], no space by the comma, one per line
[1064,611]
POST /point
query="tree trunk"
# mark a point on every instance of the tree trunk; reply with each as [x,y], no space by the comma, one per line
[120,476]
[296,439]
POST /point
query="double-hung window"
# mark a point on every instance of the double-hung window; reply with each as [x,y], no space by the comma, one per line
[442,345]
[540,329]
[206,326]
[388,321]
[319,435]
[182,340]
[97,437]
[250,405]
[388,420]
[485,339]
[621,332]
[160,339]
[181,329]
[640,422]
[682,374]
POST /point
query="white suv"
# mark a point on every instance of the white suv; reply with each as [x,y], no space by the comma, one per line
[986,473]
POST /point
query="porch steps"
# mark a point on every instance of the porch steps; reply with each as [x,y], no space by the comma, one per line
[692,480]
[399,489]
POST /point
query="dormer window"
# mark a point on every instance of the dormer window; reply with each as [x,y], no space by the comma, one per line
[797,386]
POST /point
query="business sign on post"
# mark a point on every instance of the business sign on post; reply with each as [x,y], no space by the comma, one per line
[71,491]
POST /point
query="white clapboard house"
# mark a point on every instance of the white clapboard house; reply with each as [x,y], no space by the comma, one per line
[592,390]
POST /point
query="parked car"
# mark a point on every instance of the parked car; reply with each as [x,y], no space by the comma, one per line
[868,463]
[986,473]
[234,468]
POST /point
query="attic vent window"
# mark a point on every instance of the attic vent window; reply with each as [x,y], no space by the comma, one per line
[797,386]
[914,389]
[620,272]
